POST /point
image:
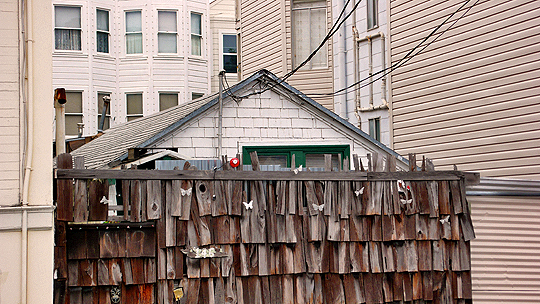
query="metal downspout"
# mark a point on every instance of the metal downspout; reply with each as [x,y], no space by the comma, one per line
[341,66]
[220,115]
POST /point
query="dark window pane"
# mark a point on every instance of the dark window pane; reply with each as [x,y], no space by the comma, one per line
[229,63]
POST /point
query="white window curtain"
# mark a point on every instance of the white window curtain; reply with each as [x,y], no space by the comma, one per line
[167,32]
[230,54]
[102,43]
[67,28]
[196,34]
[309,30]
[134,37]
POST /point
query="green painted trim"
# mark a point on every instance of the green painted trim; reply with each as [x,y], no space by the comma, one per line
[299,152]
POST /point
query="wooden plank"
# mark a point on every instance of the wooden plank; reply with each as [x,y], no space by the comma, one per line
[422,227]
[427,285]
[411,256]
[376,228]
[153,201]
[170,220]
[60,262]
[115,272]
[373,287]
[407,287]
[87,273]
[344,261]
[455,195]
[410,227]
[80,212]
[349,287]
[92,244]
[398,286]
[434,228]
[219,198]
[204,194]
[245,223]
[76,244]
[174,197]
[387,287]
[263,251]
[138,271]
[375,257]
[399,226]
[73,273]
[127,274]
[467,227]
[464,255]
[64,192]
[433,196]
[300,290]
[438,255]
[425,259]
[444,197]
[333,289]
[261,176]
[135,200]
[355,229]
[236,200]
[125,197]
[257,217]
[181,232]
[388,228]
[417,285]
[388,259]
[144,213]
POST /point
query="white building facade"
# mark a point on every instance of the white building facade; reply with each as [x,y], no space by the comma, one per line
[145,55]
[360,48]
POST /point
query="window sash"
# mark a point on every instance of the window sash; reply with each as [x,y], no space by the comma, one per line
[229,53]
[74,113]
[167,100]
[196,34]
[67,28]
[134,106]
[372,14]
[375,128]
[134,36]
[102,31]
[309,30]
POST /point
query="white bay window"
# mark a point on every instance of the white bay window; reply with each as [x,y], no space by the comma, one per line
[67,28]
[134,36]
[167,32]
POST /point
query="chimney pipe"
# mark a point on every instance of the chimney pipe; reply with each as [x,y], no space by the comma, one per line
[60,111]
[106,103]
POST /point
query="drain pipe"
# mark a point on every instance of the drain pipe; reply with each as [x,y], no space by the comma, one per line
[29,146]
[342,64]
[384,104]
[60,111]
[220,115]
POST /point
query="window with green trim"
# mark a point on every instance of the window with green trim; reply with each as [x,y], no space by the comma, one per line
[307,156]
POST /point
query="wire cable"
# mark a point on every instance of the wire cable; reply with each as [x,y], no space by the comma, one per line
[330,33]
[403,60]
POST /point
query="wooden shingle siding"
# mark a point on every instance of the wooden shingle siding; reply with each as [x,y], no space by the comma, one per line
[471,98]
[299,240]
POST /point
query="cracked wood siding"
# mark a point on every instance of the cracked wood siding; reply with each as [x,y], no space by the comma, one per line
[267,43]
[471,98]
[9,103]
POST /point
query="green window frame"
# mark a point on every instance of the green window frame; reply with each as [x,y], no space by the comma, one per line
[300,152]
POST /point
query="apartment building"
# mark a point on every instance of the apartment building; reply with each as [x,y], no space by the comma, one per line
[146,56]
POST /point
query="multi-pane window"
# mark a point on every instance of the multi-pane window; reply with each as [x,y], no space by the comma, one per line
[74,112]
[196,34]
[134,103]
[196,95]
[229,53]
[134,36]
[375,128]
[167,100]
[308,31]
[107,121]
[102,31]
[67,28]
[308,156]
[372,11]
[167,32]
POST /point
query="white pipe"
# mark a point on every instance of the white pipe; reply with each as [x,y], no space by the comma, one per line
[369,39]
[220,115]
[383,67]
[60,114]
[341,66]
[29,147]
[356,76]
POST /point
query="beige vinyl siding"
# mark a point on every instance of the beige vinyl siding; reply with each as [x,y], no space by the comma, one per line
[504,255]
[311,81]
[9,103]
[472,97]
[261,37]
[222,21]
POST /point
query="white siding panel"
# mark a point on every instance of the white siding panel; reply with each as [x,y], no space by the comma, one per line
[504,255]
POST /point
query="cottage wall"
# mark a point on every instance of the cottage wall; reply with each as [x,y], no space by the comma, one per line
[271,120]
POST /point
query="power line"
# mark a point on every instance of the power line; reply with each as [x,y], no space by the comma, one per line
[331,32]
[406,58]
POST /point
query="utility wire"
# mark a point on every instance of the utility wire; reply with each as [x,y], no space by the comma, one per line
[405,59]
[331,32]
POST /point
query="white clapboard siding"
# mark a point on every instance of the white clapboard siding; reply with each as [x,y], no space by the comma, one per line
[9,104]
[472,97]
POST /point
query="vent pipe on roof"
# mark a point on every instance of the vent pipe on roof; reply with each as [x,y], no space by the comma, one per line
[106,103]
[220,115]
[60,111]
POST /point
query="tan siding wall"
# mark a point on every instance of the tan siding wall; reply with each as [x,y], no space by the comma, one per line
[267,43]
[261,37]
[9,103]
[472,97]
[311,81]
[504,255]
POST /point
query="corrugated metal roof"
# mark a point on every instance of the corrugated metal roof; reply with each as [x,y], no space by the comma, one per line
[116,141]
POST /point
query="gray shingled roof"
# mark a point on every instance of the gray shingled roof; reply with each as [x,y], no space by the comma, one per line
[113,145]
[116,141]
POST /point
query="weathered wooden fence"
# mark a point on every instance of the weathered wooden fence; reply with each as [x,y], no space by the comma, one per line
[262,237]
